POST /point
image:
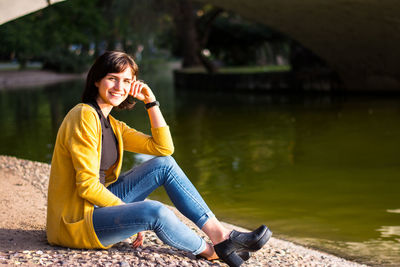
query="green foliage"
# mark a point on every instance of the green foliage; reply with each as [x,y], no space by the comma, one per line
[47,35]
[67,36]
[74,23]
[232,40]
[18,39]
[237,42]
[65,61]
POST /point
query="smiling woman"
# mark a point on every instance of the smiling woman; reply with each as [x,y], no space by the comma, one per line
[114,88]
[90,205]
[106,73]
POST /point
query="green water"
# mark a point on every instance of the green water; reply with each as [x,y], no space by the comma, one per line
[323,171]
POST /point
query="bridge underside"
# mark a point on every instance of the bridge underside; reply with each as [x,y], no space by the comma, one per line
[360,40]
[13,9]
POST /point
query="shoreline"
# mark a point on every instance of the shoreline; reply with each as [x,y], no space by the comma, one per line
[23,189]
[15,79]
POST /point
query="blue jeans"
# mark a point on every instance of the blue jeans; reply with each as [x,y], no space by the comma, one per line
[114,224]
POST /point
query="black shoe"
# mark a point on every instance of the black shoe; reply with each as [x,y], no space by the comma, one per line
[239,242]
[245,255]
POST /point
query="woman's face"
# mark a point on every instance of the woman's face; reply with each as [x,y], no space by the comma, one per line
[114,88]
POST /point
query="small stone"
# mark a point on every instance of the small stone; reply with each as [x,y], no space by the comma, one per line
[124,264]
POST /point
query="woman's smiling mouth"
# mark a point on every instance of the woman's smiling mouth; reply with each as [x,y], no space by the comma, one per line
[116,94]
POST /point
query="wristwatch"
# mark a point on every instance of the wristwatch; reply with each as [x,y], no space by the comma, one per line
[152,104]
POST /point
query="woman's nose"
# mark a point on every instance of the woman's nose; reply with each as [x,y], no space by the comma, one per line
[118,85]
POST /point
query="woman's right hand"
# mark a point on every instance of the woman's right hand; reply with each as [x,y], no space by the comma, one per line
[138,241]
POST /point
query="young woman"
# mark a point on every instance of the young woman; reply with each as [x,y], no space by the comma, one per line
[92,205]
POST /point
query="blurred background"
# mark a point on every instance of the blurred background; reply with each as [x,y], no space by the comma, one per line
[282,113]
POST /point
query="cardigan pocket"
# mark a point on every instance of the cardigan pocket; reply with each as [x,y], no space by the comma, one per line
[73,234]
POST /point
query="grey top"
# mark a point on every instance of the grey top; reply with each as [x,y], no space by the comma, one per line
[109,144]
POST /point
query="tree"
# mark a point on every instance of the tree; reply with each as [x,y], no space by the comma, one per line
[185,22]
[66,36]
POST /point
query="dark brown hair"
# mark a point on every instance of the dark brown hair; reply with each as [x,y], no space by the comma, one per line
[109,62]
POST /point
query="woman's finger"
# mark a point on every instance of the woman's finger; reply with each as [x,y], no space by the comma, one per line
[139,89]
[136,91]
[131,89]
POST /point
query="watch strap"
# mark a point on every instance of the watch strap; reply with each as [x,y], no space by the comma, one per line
[152,104]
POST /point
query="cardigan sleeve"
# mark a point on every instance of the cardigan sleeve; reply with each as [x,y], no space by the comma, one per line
[159,143]
[83,146]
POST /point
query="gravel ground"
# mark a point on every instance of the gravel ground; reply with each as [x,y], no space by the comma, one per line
[23,240]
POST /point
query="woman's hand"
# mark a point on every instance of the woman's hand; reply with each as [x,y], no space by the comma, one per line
[138,241]
[142,92]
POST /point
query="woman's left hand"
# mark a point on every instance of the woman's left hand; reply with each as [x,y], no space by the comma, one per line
[138,241]
[142,92]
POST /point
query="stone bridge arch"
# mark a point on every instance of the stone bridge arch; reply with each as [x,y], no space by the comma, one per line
[359,39]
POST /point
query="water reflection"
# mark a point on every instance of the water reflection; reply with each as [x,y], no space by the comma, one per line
[389,231]
[322,170]
[372,252]
[31,117]
[394,211]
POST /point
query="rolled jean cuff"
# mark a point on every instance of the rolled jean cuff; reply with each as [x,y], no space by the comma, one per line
[203,219]
[201,248]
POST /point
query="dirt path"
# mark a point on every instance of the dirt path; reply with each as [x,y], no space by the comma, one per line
[13,79]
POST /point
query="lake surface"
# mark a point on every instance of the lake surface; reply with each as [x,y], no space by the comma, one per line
[323,171]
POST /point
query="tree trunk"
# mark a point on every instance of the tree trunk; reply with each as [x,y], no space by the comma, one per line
[185,23]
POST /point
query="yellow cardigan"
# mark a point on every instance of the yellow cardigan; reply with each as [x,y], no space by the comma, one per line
[74,186]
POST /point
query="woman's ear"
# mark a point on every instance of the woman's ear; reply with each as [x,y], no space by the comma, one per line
[96,84]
